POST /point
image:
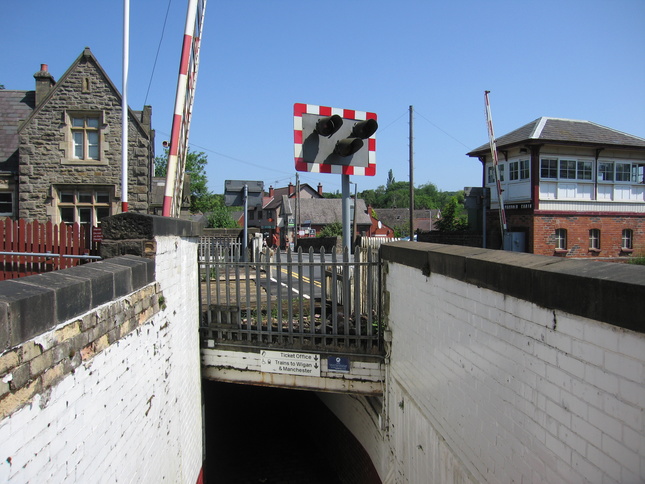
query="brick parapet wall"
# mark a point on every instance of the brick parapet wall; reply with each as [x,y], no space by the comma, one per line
[108,387]
[37,364]
[510,367]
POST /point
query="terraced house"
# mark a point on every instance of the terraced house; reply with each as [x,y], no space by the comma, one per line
[60,148]
[570,188]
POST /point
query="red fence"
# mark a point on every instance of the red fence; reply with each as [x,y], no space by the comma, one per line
[37,247]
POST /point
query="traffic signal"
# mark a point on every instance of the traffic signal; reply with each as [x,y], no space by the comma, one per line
[361,130]
[329,140]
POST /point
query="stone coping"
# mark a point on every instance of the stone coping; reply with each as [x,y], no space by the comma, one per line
[31,305]
[608,292]
[132,225]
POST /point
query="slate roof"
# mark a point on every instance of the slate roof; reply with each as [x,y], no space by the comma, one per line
[324,211]
[564,131]
[15,107]
[397,217]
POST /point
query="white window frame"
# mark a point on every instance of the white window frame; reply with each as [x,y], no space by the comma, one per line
[525,169]
[85,134]
[561,239]
[549,168]
[594,239]
[627,239]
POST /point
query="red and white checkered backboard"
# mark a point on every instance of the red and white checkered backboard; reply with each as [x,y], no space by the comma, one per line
[310,159]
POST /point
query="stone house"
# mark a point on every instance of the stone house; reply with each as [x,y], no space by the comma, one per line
[60,148]
[570,188]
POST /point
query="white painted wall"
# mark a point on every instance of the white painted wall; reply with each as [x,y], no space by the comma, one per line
[132,413]
[482,388]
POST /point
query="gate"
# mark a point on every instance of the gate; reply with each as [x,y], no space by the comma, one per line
[316,301]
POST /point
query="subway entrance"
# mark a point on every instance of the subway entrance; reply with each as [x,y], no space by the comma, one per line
[270,435]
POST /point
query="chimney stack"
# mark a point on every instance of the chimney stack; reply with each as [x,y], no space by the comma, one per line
[44,83]
[320,192]
[291,189]
[271,192]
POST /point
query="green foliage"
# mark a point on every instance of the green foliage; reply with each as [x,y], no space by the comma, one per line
[334,229]
[397,195]
[202,200]
[453,217]
[638,260]
[390,179]
[335,194]
[221,218]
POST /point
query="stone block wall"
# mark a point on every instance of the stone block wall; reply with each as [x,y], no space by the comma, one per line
[45,144]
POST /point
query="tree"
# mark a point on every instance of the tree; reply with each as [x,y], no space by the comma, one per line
[202,200]
[390,179]
[453,218]
[334,229]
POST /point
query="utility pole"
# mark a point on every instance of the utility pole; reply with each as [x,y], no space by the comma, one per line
[411,173]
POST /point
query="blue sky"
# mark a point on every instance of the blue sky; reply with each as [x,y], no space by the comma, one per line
[565,58]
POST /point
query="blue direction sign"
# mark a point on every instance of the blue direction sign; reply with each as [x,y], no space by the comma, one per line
[338,364]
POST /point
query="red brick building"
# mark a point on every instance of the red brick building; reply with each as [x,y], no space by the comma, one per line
[570,188]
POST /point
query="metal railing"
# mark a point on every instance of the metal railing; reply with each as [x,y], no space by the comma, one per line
[215,248]
[315,301]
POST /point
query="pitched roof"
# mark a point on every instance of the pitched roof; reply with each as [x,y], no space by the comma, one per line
[15,107]
[397,217]
[85,55]
[324,211]
[564,131]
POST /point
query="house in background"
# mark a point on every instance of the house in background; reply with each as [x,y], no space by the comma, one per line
[399,219]
[378,228]
[60,148]
[570,188]
[278,213]
[316,214]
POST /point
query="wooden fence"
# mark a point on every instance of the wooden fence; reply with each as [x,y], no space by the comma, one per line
[28,248]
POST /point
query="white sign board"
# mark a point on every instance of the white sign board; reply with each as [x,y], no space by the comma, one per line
[306,364]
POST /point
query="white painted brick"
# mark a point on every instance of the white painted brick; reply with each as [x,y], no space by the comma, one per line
[607,424]
[602,380]
[80,428]
[570,365]
[608,465]
[624,366]
[602,335]
[504,375]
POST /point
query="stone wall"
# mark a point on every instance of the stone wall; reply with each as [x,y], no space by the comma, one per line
[100,365]
[45,144]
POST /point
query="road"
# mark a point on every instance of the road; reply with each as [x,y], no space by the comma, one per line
[305,275]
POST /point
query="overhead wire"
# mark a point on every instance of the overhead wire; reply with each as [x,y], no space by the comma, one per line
[442,130]
[154,66]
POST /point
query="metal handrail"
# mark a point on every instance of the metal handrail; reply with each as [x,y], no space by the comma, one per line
[51,254]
